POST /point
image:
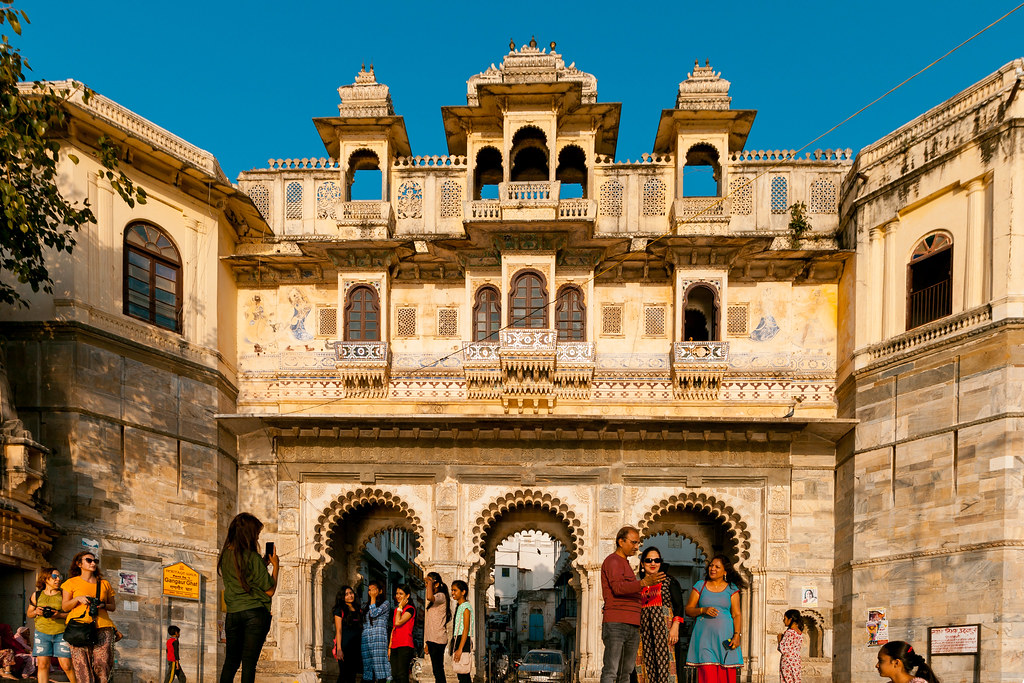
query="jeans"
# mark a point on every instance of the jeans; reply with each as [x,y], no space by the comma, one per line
[401,663]
[436,651]
[246,632]
[621,642]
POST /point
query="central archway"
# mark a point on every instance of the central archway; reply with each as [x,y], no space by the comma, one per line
[535,518]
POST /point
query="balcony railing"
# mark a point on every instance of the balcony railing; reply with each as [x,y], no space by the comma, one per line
[365,210]
[698,369]
[360,351]
[530,191]
[363,366]
[577,209]
[483,210]
[930,303]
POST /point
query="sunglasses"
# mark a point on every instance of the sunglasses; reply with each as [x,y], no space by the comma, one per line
[54,576]
[90,560]
[652,560]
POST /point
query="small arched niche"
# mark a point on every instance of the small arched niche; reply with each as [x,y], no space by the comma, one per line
[529,155]
[365,179]
[572,172]
[489,171]
[700,313]
[702,173]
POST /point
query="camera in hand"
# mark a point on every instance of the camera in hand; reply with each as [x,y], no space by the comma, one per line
[94,607]
[48,612]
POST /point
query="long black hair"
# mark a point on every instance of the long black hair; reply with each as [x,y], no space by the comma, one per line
[439,587]
[731,575]
[795,618]
[380,591]
[339,600]
[243,533]
[647,551]
[903,651]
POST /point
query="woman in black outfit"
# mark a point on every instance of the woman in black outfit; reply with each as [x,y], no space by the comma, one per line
[348,632]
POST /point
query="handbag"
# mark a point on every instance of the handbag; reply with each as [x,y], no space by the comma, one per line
[78,633]
[463,664]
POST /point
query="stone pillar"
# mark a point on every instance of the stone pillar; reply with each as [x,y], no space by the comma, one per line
[894,284]
[875,284]
[589,620]
[974,272]
[314,651]
[753,628]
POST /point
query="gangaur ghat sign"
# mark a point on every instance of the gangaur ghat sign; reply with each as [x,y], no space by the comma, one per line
[181,581]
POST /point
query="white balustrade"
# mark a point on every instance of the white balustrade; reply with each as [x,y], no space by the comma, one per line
[577,209]
[707,352]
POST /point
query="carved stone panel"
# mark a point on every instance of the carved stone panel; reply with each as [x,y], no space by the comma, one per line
[447,496]
[778,500]
[609,498]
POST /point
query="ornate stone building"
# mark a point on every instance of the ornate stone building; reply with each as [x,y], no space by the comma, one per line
[528,334]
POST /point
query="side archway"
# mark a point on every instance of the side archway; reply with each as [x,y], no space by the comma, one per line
[710,523]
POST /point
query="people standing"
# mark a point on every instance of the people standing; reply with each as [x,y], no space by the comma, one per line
[174,672]
[715,602]
[661,616]
[83,602]
[248,590]
[896,661]
[435,623]
[790,644]
[402,648]
[47,609]
[620,627]
[462,628]
[376,666]
[348,632]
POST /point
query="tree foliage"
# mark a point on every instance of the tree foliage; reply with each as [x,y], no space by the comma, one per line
[35,215]
[798,223]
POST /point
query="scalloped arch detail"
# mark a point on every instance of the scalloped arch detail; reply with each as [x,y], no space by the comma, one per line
[359,499]
[520,499]
[711,507]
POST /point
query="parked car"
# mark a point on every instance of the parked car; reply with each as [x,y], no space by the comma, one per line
[541,666]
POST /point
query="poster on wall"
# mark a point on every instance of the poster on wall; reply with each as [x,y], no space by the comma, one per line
[809,596]
[91,545]
[127,582]
[878,627]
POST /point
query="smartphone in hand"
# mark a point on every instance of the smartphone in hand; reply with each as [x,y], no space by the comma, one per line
[269,552]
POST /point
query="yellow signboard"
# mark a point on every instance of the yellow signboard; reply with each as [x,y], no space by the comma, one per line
[181,581]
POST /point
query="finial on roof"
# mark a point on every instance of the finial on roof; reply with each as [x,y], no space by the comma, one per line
[552,46]
[512,44]
[703,89]
[707,63]
[533,41]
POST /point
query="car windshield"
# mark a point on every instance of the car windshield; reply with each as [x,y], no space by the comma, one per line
[543,658]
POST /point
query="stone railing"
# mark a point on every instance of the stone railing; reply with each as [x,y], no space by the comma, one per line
[438,161]
[933,331]
[700,352]
[363,366]
[370,351]
[529,191]
[577,209]
[283,164]
[700,207]
[791,155]
[698,369]
[364,210]
[483,210]
[574,352]
[481,352]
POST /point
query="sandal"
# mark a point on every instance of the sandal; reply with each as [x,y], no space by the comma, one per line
[8,674]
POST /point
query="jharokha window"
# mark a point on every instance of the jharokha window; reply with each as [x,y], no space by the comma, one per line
[152,277]
[486,314]
[930,280]
[528,301]
[570,315]
[362,314]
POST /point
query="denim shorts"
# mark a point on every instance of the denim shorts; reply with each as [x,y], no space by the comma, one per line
[45,645]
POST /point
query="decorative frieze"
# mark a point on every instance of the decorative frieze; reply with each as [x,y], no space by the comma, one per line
[698,369]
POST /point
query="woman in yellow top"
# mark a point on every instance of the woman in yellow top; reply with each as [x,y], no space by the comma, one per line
[92,664]
[47,607]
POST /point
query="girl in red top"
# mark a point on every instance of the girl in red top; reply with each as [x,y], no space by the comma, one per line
[402,647]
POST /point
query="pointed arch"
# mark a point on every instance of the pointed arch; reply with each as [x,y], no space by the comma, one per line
[735,538]
[365,500]
[486,528]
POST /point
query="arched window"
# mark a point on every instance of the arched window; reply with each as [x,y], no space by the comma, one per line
[930,280]
[528,301]
[487,173]
[570,315]
[529,155]
[572,172]
[152,277]
[486,314]
[362,314]
[702,174]
[700,313]
[365,181]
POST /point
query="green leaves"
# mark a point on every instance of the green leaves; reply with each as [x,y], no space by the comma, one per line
[35,217]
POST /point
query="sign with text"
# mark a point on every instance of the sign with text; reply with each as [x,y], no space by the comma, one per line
[955,640]
[181,581]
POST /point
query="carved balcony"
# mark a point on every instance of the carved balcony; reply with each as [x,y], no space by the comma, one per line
[483,369]
[365,219]
[574,369]
[698,368]
[364,367]
[482,210]
[577,210]
[526,201]
[527,369]
[701,215]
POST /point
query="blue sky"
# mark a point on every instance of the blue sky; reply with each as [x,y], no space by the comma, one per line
[243,80]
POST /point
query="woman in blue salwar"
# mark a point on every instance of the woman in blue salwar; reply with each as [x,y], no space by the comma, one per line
[376,666]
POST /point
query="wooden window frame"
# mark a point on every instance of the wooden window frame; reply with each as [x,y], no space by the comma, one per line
[561,303]
[489,336]
[154,258]
[350,300]
[531,310]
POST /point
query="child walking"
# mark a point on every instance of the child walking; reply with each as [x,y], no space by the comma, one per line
[790,643]
[174,672]
[898,662]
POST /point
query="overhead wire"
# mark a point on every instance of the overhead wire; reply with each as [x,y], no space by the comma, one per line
[784,157]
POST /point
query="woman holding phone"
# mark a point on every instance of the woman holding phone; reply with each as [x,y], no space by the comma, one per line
[248,589]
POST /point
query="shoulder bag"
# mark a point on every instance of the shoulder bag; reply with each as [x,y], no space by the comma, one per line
[78,633]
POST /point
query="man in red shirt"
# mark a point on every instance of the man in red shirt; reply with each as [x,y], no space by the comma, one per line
[620,628]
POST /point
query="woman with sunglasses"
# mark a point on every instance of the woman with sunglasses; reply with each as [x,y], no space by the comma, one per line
[92,663]
[46,606]
[661,616]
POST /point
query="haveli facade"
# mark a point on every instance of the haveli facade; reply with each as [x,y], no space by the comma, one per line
[528,334]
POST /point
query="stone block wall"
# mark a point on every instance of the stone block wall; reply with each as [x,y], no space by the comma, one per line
[139,466]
